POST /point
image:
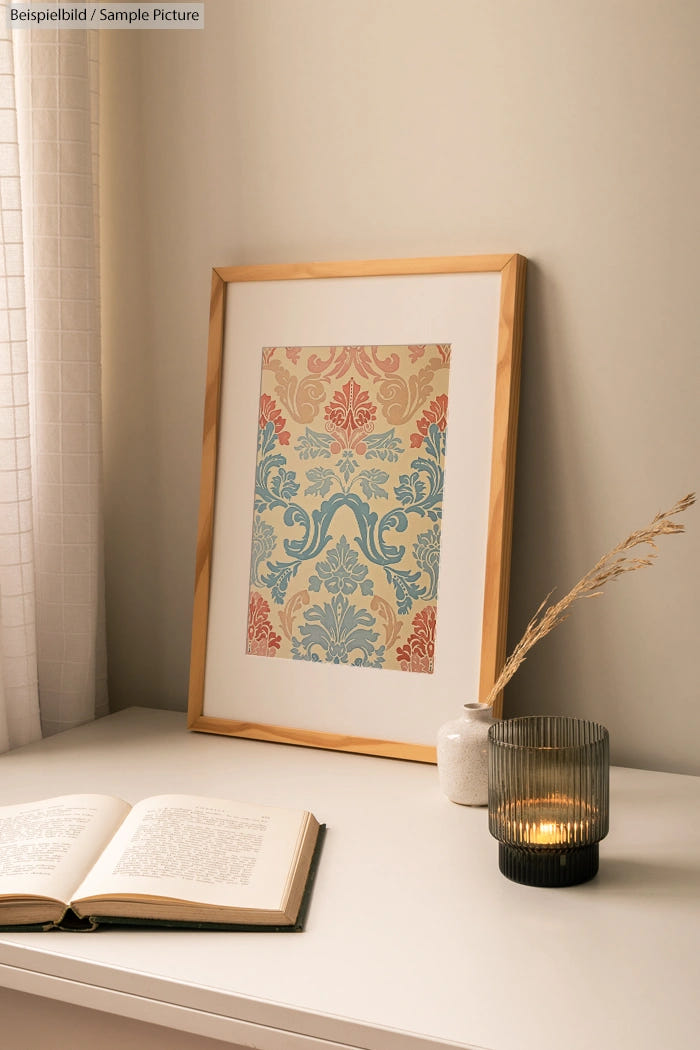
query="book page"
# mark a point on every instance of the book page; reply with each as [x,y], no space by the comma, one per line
[209,851]
[46,847]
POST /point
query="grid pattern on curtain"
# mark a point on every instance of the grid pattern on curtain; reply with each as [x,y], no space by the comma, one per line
[19,704]
[58,89]
[52,637]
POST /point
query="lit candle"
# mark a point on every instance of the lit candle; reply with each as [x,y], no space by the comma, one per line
[548,798]
[546,832]
[550,821]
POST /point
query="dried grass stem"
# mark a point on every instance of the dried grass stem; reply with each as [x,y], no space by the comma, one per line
[613,564]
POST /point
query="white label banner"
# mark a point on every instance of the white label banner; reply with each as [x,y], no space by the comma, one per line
[105,16]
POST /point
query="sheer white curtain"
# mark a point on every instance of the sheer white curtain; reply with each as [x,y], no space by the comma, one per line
[52,649]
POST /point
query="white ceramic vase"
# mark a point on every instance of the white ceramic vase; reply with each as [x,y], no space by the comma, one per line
[462,756]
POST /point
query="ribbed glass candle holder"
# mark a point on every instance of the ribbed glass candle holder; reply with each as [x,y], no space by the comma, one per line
[548,797]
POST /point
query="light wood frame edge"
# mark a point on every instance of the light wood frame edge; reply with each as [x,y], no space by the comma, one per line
[207,486]
[512,268]
[505,434]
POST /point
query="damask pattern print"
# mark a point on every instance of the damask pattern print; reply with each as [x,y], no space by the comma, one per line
[348,505]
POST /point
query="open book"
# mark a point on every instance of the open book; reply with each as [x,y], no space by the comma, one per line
[77,861]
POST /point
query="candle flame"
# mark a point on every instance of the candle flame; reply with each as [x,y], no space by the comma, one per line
[548,822]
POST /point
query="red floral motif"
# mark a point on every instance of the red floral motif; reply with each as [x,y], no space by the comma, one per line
[419,652]
[292,354]
[262,640]
[270,413]
[350,417]
[417,350]
[365,360]
[436,413]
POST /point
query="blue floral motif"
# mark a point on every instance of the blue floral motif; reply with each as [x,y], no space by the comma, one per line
[278,579]
[405,586]
[411,490]
[347,464]
[340,573]
[371,482]
[426,551]
[419,492]
[267,439]
[264,540]
[321,479]
[338,633]
[384,446]
[314,443]
[284,484]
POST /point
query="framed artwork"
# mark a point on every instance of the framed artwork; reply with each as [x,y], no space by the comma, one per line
[353,550]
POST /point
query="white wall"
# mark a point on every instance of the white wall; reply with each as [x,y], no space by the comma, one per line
[566,130]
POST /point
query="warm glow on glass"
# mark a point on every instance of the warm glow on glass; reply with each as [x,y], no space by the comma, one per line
[544,822]
[548,797]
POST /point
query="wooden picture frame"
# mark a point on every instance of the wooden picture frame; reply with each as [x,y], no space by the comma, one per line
[473,304]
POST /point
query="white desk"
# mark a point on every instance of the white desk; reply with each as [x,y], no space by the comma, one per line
[414,939]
